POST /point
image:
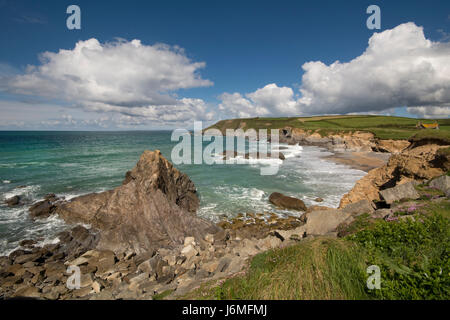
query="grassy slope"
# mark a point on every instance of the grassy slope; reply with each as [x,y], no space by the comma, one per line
[383,127]
[413,257]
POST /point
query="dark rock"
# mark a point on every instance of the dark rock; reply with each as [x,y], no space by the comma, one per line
[27,243]
[153,208]
[27,257]
[19,252]
[138,259]
[157,264]
[4,262]
[64,236]
[286,202]
[51,197]
[42,209]
[13,201]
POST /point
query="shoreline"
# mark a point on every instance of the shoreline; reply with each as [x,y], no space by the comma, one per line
[364,161]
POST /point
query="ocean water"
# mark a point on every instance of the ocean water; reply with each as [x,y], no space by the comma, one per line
[69,164]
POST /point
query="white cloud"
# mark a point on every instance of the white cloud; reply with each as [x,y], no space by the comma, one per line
[430,112]
[399,68]
[184,110]
[269,100]
[127,77]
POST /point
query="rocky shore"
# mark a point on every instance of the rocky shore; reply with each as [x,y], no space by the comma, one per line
[143,240]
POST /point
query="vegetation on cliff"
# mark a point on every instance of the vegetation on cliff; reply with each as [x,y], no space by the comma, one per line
[412,253]
[383,127]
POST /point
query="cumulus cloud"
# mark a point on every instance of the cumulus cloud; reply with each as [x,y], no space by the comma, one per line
[400,67]
[430,112]
[269,100]
[125,76]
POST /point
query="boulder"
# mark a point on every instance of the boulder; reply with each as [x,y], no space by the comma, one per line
[325,221]
[42,209]
[13,201]
[402,191]
[286,202]
[418,163]
[154,207]
[360,207]
[189,251]
[442,183]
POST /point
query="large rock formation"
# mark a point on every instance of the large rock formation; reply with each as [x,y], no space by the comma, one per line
[419,163]
[358,141]
[154,207]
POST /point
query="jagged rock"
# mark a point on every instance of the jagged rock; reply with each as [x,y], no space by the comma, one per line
[403,191]
[145,267]
[189,251]
[13,201]
[97,287]
[286,202]
[27,243]
[209,238]
[188,241]
[211,266]
[42,209]
[390,146]
[414,163]
[441,183]
[27,257]
[153,208]
[27,292]
[86,280]
[318,200]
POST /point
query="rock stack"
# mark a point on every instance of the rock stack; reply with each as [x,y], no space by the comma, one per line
[153,208]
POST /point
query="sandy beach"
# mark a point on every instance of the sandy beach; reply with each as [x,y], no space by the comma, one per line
[364,161]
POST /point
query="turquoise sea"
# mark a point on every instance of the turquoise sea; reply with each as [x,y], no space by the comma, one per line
[69,164]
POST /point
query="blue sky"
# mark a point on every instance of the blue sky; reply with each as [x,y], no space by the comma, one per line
[245,46]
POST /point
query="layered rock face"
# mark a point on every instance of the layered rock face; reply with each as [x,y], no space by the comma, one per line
[356,141]
[154,207]
[419,163]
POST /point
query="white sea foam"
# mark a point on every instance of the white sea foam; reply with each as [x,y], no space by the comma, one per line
[6,181]
[28,191]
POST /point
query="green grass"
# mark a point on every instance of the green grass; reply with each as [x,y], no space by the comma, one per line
[413,256]
[316,269]
[162,295]
[383,127]
[430,134]
[444,152]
